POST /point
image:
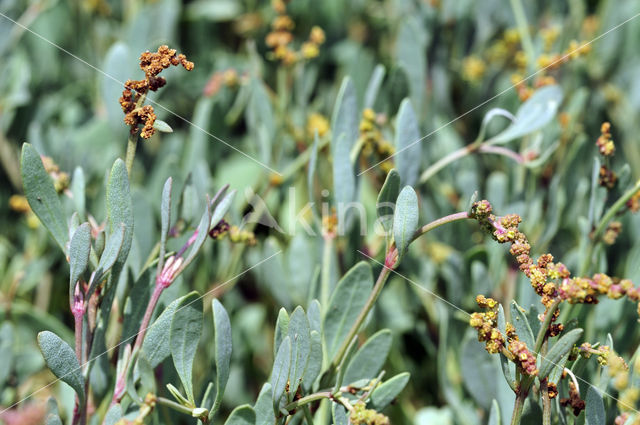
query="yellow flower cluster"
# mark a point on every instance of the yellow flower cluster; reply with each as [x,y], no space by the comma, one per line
[360,415]
[280,38]
[473,69]
[317,123]
[373,141]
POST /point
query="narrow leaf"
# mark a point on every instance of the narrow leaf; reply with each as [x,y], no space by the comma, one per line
[594,409]
[165,219]
[61,360]
[223,346]
[386,203]
[162,126]
[42,196]
[494,414]
[363,364]
[409,150]
[374,86]
[299,334]
[347,300]
[559,349]
[521,323]
[280,372]
[109,256]
[79,250]
[242,415]
[156,345]
[389,390]
[534,114]
[339,414]
[221,208]
[186,329]
[314,365]
[119,208]
[405,219]
[264,406]
[78,190]
[282,329]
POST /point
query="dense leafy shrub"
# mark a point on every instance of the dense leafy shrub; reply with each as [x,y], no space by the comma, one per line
[236,230]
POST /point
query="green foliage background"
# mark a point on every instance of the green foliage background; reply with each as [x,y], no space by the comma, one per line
[65,103]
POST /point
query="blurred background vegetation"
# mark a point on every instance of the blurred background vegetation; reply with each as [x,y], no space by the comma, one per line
[59,90]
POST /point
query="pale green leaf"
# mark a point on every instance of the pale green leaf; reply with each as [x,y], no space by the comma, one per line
[186,329]
[42,196]
[62,361]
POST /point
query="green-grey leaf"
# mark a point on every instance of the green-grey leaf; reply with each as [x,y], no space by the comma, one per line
[408,148]
[42,196]
[62,361]
[78,190]
[344,133]
[280,371]
[222,207]
[114,414]
[559,349]
[165,217]
[388,390]
[314,365]
[386,203]
[594,409]
[79,250]
[53,419]
[315,316]
[347,300]
[405,219]
[494,414]
[162,126]
[556,373]
[109,256]
[520,322]
[223,346]
[156,345]
[186,328]
[369,358]
[282,329]
[508,368]
[339,414]
[203,232]
[264,406]
[299,334]
[242,415]
[344,180]
[345,115]
[374,86]
[119,208]
[534,114]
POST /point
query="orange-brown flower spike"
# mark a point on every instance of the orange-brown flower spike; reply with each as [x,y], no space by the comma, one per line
[152,63]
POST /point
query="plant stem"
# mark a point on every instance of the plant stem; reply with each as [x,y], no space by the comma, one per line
[307,415]
[446,160]
[173,405]
[155,295]
[544,390]
[439,222]
[132,143]
[523,29]
[382,278]
[544,327]
[78,319]
[521,396]
[307,399]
